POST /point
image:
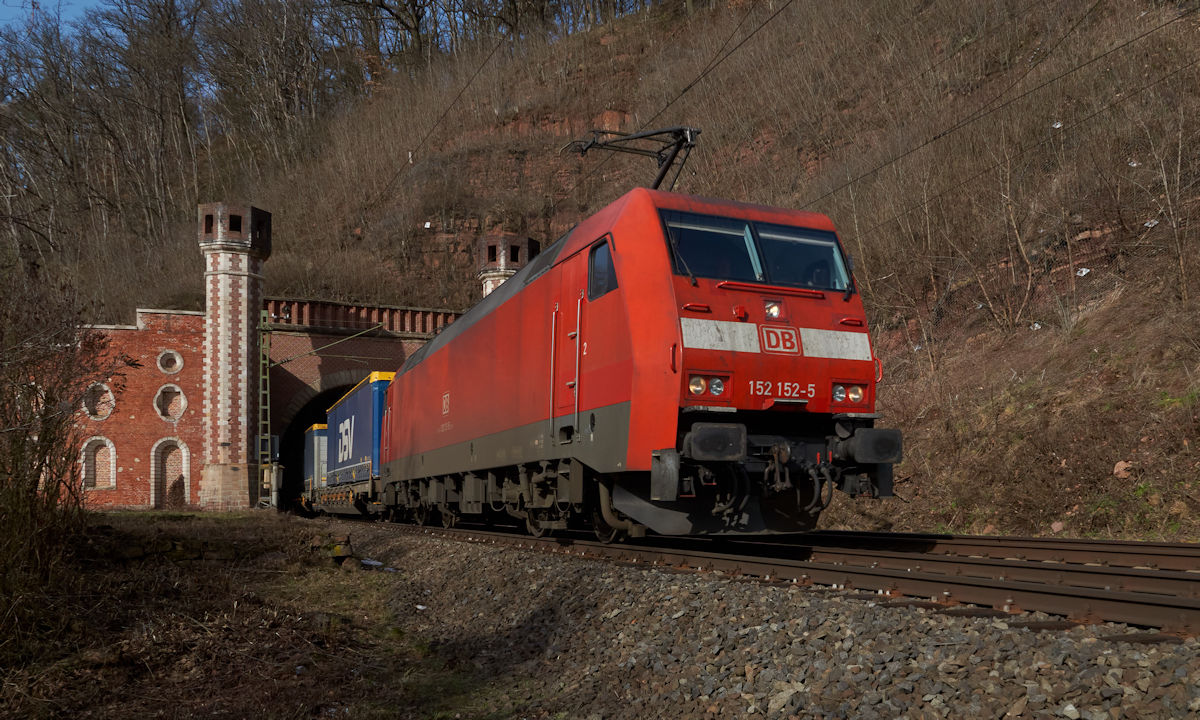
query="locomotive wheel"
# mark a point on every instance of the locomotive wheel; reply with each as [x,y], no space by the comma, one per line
[449,519]
[421,514]
[605,533]
[532,526]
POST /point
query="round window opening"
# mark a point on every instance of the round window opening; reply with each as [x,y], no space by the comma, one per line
[170,402]
[170,362]
[98,401]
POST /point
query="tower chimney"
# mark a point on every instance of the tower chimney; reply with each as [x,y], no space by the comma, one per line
[501,255]
[235,240]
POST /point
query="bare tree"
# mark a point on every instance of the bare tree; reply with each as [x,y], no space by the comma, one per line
[46,366]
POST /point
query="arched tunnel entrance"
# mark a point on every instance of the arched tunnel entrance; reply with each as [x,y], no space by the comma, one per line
[291,442]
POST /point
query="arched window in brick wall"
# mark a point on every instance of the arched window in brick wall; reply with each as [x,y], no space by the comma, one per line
[170,402]
[98,462]
[170,474]
[98,401]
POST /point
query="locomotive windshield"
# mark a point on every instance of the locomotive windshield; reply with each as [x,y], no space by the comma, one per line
[728,249]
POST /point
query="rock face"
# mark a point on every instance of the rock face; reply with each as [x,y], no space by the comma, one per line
[595,640]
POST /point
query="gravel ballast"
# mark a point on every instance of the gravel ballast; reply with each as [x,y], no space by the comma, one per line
[586,639]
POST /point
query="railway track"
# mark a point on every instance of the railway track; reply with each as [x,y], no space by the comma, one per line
[1153,585]
[1123,553]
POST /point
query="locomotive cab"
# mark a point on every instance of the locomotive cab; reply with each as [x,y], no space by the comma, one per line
[775,380]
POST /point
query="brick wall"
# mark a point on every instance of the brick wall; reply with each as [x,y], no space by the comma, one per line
[305,370]
[145,446]
[180,428]
[125,434]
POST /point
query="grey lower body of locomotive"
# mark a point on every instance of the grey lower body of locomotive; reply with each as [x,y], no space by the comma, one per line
[722,479]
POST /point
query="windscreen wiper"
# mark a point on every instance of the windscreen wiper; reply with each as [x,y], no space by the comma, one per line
[679,255]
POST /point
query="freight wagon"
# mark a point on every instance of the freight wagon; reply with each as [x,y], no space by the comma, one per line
[354,424]
[315,445]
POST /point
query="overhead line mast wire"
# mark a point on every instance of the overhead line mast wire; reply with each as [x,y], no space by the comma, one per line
[983,109]
[987,32]
[972,118]
[716,60]
[979,113]
[436,123]
[1026,150]
[713,65]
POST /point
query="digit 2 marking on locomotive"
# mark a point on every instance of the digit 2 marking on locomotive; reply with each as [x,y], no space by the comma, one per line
[346,439]
[781,340]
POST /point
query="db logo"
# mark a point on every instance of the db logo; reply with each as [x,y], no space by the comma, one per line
[780,340]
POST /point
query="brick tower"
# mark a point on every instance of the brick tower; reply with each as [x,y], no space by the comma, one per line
[501,255]
[235,240]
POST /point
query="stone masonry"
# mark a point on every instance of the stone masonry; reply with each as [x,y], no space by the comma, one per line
[235,240]
[142,430]
[178,428]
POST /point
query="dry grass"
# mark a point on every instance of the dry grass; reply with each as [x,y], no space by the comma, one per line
[993,168]
[229,615]
[789,119]
[1015,181]
[1084,432]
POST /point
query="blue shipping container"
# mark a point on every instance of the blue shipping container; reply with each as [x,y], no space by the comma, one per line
[315,444]
[355,422]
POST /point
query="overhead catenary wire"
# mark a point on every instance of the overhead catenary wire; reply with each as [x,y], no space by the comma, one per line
[718,58]
[436,123]
[712,64]
[986,32]
[1035,65]
[980,115]
[1025,150]
[715,61]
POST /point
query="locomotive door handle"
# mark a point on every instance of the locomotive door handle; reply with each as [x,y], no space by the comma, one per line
[878,370]
[674,350]
[574,384]
[553,377]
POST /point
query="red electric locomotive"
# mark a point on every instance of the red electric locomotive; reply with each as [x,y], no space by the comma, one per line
[673,363]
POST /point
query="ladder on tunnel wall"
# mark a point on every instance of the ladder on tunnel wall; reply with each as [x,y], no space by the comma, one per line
[264,413]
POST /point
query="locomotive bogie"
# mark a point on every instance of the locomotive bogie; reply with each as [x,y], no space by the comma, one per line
[546,495]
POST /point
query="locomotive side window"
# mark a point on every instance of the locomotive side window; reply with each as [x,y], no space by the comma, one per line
[602,277]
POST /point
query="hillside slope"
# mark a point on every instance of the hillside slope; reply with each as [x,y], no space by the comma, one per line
[1017,183]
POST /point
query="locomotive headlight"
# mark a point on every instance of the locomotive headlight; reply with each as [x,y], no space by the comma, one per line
[716,386]
[855,394]
[839,393]
[773,310]
[697,385]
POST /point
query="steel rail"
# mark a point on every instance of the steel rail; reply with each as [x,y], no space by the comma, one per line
[1084,593]
[1116,553]
[1164,582]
